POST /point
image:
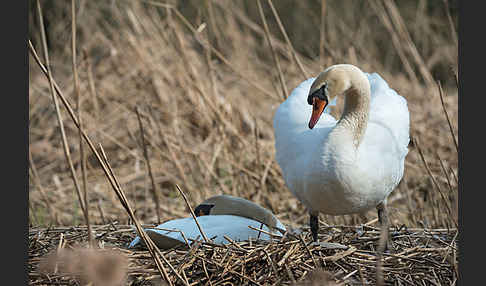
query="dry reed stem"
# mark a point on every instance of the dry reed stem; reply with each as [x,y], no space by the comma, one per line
[256,132]
[451,189]
[58,112]
[379,257]
[153,249]
[447,115]
[100,210]
[108,172]
[81,146]
[220,56]
[153,190]
[451,24]
[456,79]
[263,186]
[214,32]
[35,178]
[322,33]
[301,239]
[377,6]
[209,63]
[191,70]
[449,212]
[287,40]
[405,35]
[278,44]
[158,4]
[91,84]
[56,87]
[276,62]
[192,213]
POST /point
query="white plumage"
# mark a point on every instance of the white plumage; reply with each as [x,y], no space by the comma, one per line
[331,175]
[218,216]
[215,227]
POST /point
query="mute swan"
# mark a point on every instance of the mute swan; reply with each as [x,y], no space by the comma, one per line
[218,216]
[342,166]
[231,205]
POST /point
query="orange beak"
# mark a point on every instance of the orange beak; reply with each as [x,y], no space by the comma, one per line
[318,106]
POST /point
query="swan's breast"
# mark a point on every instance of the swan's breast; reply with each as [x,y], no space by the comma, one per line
[349,180]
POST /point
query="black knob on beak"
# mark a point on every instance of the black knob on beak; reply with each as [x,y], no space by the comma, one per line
[320,93]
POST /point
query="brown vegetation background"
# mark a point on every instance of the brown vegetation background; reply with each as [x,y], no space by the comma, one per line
[206,85]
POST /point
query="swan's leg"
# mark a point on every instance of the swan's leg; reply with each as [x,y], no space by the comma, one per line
[314,225]
[382,213]
[384,222]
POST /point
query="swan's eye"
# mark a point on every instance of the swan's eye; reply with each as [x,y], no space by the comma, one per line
[321,93]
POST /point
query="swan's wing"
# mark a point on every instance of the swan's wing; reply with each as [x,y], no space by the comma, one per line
[215,227]
[385,143]
[389,109]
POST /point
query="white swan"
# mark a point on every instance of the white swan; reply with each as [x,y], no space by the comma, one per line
[348,165]
[218,216]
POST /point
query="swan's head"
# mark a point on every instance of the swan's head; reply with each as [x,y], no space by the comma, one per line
[230,205]
[330,83]
[203,209]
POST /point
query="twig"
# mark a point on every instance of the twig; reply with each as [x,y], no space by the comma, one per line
[214,31]
[264,231]
[199,86]
[221,57]
[81,146]
[451,23]
[301,239]
[447,115]
[192,213]
[434,181]
[147,161]
[284,33]
[403,32]
[379,257]
[450,247]
[154,251]
[445,173]
[67,153]
[102,213]
[454,175]
[322,34]
[234,243]
[35,178]
[285,93]
[456,79]
[361,277]
[91,84]
[349,275]
[377,6]
[271,261]
[263,186]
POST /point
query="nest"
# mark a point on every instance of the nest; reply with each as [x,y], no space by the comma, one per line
[347,257]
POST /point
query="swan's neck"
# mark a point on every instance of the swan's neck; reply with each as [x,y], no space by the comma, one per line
[354,118]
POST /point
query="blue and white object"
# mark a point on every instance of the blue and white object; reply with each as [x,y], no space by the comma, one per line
[215,227]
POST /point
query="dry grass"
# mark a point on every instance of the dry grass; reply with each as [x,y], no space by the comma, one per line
[420,255]
[202,83]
